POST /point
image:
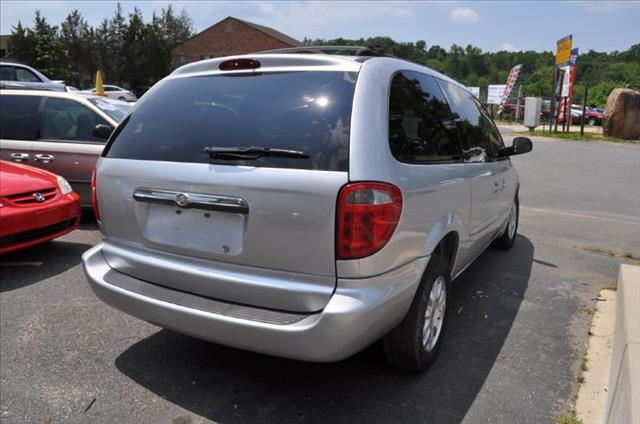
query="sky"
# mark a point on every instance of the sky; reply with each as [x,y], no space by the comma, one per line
[491,25]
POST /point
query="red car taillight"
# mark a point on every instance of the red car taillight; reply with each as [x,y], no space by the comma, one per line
[94,194]
[367,214]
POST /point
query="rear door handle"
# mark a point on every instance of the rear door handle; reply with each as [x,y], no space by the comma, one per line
[497,186]
[44,158]
[19,157]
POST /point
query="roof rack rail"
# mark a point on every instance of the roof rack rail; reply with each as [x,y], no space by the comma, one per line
[359,50]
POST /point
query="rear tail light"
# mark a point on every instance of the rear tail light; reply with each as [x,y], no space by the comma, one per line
[94,194]
[238,64]
[368,214]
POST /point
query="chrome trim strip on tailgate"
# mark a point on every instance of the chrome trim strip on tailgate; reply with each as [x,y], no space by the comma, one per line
[212,202]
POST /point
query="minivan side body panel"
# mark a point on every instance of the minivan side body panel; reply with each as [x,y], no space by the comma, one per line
[432,193]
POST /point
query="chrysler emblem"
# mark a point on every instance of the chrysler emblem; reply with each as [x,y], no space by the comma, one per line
[38,197]
[182,200]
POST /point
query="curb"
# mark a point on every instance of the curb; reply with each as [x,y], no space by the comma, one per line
[624,383]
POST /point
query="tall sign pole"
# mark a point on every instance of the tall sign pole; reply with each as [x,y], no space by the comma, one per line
[563,59]
[572,80]
[518,103]
[567,89]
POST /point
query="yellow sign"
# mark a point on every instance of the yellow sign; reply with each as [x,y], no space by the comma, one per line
[563,50]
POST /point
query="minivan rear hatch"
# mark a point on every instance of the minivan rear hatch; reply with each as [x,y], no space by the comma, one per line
[254,228]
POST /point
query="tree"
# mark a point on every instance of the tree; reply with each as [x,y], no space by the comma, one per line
[20,44]
[134,51]
[131,52]
[76,47]
[47,48]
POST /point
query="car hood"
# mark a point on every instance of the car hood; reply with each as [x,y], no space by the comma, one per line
[15,178]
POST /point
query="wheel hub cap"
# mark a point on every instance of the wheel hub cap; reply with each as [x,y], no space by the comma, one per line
[434,314]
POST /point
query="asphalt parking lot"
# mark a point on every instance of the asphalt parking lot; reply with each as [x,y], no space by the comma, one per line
[512,354]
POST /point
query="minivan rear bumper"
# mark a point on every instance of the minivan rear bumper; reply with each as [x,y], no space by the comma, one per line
[359,312]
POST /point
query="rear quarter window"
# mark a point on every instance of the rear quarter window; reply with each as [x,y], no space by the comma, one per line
[305,111]
[476,126]
[421,128]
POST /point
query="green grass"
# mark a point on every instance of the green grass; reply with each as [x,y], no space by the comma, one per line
[567,419]
[573,135]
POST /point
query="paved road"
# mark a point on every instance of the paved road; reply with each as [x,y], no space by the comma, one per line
[589,191]
[512,352]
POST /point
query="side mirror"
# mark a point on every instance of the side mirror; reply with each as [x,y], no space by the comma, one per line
[102,131]
[520,145]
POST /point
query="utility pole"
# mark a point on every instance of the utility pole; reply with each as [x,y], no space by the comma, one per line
[557,90]
[552,105]
[518,104]
[584,106]
[565,121]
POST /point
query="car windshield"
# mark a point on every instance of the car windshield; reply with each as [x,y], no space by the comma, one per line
[116,110]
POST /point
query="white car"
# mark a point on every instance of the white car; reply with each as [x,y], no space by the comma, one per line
[115,92]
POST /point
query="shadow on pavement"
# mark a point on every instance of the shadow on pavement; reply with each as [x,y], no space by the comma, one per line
[45,260]
[229,385]
[88,220]
[38,263]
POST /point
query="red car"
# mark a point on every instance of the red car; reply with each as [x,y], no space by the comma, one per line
[35,206]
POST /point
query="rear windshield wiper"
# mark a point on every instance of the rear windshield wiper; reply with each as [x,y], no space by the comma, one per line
[253,152]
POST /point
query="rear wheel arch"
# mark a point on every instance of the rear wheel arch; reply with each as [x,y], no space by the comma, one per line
[447,247]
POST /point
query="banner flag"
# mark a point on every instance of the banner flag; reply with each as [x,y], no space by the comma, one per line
[511,82]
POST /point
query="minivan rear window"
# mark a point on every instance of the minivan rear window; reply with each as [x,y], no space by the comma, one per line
[304,111]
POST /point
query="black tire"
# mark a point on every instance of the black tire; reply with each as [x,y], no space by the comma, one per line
[403,346]
[591,121]
[506,240]
[122,98]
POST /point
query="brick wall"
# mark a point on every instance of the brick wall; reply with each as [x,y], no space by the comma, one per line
[229,37]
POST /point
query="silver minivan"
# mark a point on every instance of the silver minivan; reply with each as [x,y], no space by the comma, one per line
[301,205]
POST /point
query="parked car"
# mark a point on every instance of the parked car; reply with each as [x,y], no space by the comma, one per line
[593,117]
[35,206]
[576,115]
[58,131]
[18,76]
[301,205]
[115,92]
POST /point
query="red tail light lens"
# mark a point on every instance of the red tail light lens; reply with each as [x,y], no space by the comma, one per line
[238,64]
[368,214]
[94,194]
